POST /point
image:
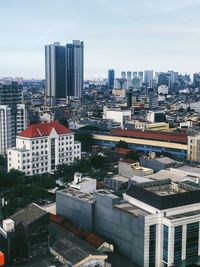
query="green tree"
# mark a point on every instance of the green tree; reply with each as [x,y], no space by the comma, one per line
[122,144]
[132,155]
[86,139]
[97,161]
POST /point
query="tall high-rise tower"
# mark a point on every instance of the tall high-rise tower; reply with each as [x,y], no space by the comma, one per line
[63,70]
[55,72]
[74,68]
[148,77]
[111,78]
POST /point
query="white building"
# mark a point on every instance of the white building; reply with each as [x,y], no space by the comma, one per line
[171,222]
[154,116]
[10,124]
[116,114]
[41,147]
[163,89]
[129,168]
[84,184]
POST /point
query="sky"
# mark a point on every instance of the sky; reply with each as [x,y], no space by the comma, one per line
[129,35]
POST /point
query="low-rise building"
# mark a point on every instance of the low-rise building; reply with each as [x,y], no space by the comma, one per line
[116,114]
[42,147]
[156,224]
[75,205]
[146,141]
[129,168]
[193,148]
[84,184]
[72,251]
[158,163]
[25,235]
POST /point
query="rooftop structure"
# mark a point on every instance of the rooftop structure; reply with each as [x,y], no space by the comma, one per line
[43,130]
[164,194]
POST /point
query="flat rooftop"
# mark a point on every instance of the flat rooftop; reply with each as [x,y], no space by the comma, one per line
[189,169]
[166,189]
[107,193]
[77,194]
[165,194]
[132,209]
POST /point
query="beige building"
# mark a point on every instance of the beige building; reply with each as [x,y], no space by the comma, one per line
[194,148]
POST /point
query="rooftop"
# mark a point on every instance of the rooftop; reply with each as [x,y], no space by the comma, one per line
[69,246]
[127,207]
[152,135]
[43,129]
[29,214]
[166,160]
[165,194]
[78,194]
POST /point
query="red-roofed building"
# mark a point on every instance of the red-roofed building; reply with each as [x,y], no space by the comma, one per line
[41,147]
[146,141]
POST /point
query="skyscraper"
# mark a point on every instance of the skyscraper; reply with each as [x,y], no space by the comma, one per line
[74,68]
[123,75]
[111,78]
[129,77]
[55,72]
[148,77]
[63,70]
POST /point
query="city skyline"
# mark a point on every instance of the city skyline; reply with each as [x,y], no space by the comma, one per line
[135,35]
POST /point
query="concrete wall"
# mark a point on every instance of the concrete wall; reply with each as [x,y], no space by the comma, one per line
[125,230]
[77,211]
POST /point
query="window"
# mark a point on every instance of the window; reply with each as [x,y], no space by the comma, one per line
[165,243]
[192,240]
[152,245]
[177,243]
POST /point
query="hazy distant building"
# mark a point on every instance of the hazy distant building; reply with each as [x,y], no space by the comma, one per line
[196,79]
[135,74]
[148,77]
[111,78]
[123,75]
[129,77]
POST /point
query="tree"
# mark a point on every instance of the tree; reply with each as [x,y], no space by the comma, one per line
[132,155]
[3,161]
[86,139]
[122,144]
[97,161]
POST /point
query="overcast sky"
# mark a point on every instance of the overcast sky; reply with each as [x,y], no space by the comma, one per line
[121,34]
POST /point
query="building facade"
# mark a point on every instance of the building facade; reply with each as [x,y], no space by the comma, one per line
[11,124]
[146,141]
[41,147]
[194,148]
[74,68]
[55,72]
[111,78]
[63,71]
[155,225]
